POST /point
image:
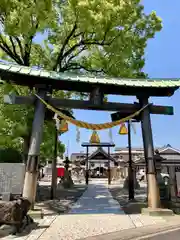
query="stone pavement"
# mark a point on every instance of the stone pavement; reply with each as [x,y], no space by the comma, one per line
[96,200]
[95,213]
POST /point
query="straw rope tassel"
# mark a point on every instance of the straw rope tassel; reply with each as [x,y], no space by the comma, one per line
[110,135]
[77,135]
[63,126]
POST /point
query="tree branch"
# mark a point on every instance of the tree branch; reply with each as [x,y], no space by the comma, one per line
[13,46]
[20,46]
[78,34]
[9,54]
[27,50]
[28,45]
[14,49]
[77,66]
[74,55]
[83,43]
[60,55]
[7,50]
[90,41]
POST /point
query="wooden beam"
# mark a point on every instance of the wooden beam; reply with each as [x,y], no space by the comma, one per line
[123,108]
[96,96]
[119,115]
[13,99]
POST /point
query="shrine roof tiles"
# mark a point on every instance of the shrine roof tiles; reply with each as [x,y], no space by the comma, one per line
[29,76]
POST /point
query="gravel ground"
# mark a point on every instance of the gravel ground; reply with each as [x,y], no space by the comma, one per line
[64,200]
[51,209]
[133,207]
[129,207]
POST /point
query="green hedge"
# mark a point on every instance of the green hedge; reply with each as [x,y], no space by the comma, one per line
[10,155]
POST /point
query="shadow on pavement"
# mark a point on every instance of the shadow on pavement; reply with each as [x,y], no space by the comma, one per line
[100,203]
[65,198]
[6,230]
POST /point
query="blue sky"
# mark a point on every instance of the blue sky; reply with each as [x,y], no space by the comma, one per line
[162,60]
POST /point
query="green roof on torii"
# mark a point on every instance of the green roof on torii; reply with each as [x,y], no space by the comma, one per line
[30,76]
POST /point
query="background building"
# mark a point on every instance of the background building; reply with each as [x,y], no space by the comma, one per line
[98,160]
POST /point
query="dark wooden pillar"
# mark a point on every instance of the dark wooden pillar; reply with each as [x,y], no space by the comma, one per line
[87,165]
[109,167]
[30,181]
[130,167]
[145,156]
[54,166]
[153,189]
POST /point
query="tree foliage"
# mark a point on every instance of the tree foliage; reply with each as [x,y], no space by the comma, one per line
[94,35]
[101,36]
[10,155]
[15,126]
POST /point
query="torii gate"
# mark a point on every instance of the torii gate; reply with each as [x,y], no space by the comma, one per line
[44,81]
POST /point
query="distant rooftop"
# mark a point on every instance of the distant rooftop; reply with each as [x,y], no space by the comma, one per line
[118,149]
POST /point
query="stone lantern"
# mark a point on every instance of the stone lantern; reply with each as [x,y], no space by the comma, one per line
[66,163]
[164,193]
[67,181]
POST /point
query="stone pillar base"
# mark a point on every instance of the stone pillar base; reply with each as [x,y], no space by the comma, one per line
[175,205]
[36,213]
[157,212]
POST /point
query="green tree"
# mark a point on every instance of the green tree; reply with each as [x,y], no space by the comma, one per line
[15,121]
[47,148]
[15,126]
[10,155]
[77,34]
[101,36]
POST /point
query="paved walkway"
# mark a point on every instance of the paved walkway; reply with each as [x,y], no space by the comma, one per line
[96,200]
[95,213]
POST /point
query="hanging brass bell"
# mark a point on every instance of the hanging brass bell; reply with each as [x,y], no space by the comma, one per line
[63,126]
[123,129]
[94,137]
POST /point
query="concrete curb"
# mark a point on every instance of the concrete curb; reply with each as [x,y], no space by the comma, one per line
[134,233]
[157,212]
